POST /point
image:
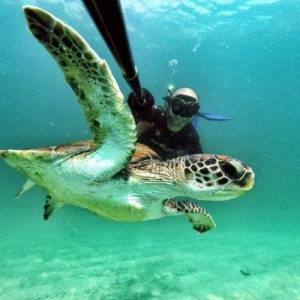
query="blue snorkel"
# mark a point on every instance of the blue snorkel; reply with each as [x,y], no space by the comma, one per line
[207,116]
[212,117]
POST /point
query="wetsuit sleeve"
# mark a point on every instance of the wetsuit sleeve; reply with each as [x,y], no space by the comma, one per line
[149,112]
[153,115]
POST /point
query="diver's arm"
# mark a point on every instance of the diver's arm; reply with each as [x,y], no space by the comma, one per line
[143,109]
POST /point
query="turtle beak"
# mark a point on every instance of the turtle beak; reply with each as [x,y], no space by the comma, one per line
[246,183]
[238,187]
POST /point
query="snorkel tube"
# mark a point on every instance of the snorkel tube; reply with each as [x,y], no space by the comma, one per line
[212,117]
[207,116]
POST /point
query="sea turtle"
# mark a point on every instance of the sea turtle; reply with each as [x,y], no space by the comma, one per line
[111,175]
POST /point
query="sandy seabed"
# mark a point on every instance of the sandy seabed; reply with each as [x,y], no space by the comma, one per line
[163,259]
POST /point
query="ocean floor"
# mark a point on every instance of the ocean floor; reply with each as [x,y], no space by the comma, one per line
[76,255]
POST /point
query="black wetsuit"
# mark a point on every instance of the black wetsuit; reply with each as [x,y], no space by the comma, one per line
[168,144]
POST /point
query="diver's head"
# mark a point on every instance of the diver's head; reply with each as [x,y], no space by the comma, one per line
[182,105]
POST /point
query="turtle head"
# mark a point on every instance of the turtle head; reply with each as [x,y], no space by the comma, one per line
[217,177]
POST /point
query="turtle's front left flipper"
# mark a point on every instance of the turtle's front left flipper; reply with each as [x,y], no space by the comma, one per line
[91,80]
[198,216]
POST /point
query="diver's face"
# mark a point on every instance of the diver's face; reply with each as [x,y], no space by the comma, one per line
[175,122]
[181,110]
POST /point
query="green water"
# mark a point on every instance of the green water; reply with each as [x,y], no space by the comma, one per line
[242,58]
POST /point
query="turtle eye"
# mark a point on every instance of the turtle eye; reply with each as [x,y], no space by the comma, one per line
[232,169]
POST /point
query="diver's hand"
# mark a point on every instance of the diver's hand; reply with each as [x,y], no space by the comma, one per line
[141,104]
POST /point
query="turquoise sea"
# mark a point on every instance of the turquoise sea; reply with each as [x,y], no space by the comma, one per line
[243,59]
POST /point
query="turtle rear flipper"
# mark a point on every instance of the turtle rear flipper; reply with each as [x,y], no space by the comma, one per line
[198,216]
[51,206]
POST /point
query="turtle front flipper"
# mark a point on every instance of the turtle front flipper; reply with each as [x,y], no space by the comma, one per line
[96,89]
[198,216]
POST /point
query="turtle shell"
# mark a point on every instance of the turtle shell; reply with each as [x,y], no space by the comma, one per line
[143,152]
